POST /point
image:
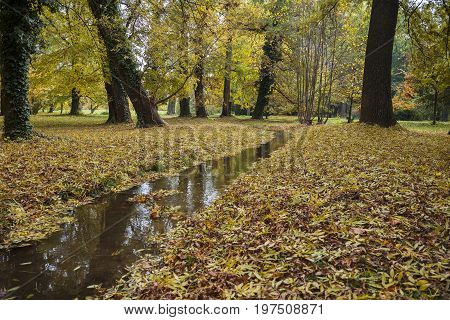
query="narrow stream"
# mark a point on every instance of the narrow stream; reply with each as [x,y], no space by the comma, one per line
[111,233]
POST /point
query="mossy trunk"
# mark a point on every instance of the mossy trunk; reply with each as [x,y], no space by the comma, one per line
[19,25]
[75,103]
[272,54]
[376,101]
[120,53]
[185,109]
[119,110]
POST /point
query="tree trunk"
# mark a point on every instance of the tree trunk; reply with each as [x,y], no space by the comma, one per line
[51,109]
[111,106]
[119,111]
[226,107]
[435,105]
[119,52]
[171,107]
[185,110]
[19,25]
[350,118]
[2,99]
[444,113]
[199,92]
[75,104]
[376,104]
[272,54]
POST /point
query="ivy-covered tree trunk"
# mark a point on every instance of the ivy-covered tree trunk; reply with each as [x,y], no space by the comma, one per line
[119,110]
[75,104]
[123,114]
[185,110]
[272,54]
[376,102]
[171,107]
[19,25]
[199,92]
[119,52]
[226,107]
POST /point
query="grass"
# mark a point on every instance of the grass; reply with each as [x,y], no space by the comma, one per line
[341,212]
[427,126]
[421,126]
[77,158]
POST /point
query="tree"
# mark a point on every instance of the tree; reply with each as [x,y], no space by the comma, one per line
[75,109]
[199,69]
[119,52]
[171,107]
[69,54]
[272,53]
[376,103]
[118,108]
[19,27]
[185,100]
[229,8]
[185,109]
[226,106]
[1,96]
[428,28]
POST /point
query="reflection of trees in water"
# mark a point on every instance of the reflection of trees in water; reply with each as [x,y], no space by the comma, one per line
[109,250]
[54,260]
[99,255]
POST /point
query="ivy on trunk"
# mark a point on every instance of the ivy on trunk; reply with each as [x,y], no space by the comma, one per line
[19,26]
[272,55]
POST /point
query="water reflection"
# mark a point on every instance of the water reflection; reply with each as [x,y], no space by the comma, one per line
[111,233]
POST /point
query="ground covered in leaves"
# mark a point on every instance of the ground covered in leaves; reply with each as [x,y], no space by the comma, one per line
[345,211]
[73,159]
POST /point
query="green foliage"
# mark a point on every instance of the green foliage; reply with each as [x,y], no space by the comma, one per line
[427,74]
[69,55]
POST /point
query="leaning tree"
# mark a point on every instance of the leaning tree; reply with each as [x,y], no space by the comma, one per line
[120,54]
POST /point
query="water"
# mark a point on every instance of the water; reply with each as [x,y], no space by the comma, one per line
[113,232]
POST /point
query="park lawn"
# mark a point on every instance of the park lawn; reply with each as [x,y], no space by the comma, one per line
[341,212]
[420,126]
[73,159]
[427,126]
